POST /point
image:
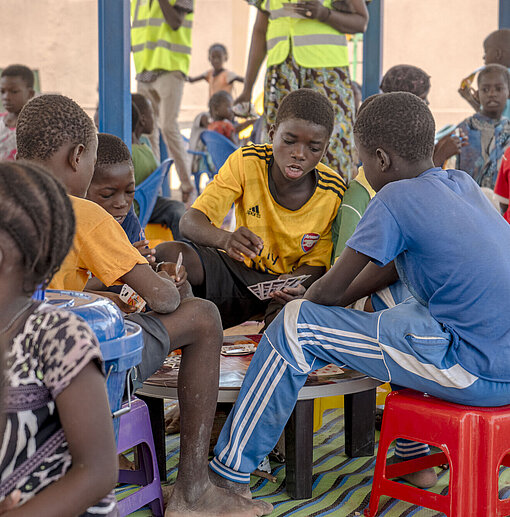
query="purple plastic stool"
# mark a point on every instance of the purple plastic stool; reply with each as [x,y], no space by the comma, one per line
[135,431]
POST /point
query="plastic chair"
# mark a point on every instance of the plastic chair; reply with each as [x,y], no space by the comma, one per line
[474,441]
[218,146]
[147,192]
[135,431]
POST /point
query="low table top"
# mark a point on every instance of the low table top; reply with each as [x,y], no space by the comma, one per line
[163,384]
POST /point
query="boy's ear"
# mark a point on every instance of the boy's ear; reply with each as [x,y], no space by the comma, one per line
[75,155]
[271,132]
[31,92]
[383,159]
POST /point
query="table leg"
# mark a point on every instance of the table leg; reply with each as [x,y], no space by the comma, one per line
[157,416]
[299,451]
[359,423]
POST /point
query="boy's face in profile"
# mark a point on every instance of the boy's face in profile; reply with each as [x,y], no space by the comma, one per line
[113,188]
[15,93]
[147,118]
[493,93]
[298,146]
[223,110]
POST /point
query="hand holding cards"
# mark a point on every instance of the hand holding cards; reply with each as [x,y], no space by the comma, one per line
[263,290]
[131,297]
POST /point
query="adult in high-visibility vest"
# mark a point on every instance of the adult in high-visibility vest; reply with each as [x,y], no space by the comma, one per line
[306,47]
[161,46]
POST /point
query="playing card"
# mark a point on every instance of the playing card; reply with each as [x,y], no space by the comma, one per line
[294,281]
[255,289]
[131,297]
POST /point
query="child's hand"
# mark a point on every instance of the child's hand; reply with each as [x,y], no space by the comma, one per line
[449,146]
[243,242]
[288,294]
[10,502]
[145,251]
[179,277]
[122,305]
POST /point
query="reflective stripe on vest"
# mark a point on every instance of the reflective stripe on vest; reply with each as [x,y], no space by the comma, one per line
[154,44]
[313,44]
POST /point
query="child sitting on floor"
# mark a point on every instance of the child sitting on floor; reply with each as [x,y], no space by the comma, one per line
[16,89]
[442,336]
[166,211]
[219,78]
[285,203]
[62,460]
[56,133]
[488,131]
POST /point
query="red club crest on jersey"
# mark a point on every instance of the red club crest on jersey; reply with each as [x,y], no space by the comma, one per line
[308,241]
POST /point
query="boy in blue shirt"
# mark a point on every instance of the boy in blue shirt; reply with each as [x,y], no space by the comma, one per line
[432,230]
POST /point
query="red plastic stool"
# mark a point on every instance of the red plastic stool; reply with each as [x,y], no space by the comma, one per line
[475,441]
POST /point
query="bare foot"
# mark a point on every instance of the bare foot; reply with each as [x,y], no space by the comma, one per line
[425,478]
[215,502]
[241,489]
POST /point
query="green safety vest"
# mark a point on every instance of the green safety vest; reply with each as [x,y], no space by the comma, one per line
[154,44]
[313,44]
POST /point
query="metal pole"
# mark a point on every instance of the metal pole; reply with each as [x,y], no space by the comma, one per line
[114,73]
[504,14]
[372,49]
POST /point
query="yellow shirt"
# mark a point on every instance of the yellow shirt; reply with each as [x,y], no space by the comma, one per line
[100,246]
[291,238]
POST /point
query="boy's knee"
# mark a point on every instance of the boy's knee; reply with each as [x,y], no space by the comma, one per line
[169,251]
[205,317]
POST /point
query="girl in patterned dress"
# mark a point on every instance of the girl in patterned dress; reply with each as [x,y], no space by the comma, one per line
[57,453]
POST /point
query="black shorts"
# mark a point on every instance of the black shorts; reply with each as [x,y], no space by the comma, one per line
[225,284]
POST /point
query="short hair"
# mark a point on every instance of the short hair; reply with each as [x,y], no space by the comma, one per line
[20,71]
[48,122]
[218,98]
[397,121]
[38,216]
[494,68]
[307,104]
[405,78]
[218,46]
[139,103]
[499,39]
[111,150]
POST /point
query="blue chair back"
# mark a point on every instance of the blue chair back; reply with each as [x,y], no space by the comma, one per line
[148,191]
[218,146]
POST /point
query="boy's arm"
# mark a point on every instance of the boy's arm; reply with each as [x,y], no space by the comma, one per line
[157,289]
[196,78]
[352,277]
[197,227]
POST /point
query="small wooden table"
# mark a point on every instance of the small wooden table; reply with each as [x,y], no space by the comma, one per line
[359,393]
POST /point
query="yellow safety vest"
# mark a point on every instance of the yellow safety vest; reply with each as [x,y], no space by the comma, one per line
[154,44]
[313,44]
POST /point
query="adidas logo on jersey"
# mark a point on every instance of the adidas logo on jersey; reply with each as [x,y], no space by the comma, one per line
[254,210]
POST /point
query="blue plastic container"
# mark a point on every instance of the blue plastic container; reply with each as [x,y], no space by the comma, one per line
[120,340]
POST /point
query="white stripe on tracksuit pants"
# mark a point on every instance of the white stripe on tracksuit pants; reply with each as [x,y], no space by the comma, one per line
[306,336]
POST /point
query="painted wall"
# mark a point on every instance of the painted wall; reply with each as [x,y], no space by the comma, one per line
[59,37]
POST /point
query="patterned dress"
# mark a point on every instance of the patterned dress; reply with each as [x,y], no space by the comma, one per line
[45,357]
[334,83]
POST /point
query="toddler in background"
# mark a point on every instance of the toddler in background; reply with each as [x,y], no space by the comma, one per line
[219,78]
[220,109]
[16,89]
[488,131]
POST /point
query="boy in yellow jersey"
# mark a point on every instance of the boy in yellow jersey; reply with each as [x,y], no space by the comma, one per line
[285,204]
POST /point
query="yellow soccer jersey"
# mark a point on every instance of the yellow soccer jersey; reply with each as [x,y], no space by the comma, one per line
[291,238]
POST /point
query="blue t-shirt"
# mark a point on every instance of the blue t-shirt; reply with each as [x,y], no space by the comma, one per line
[452,250]
[132,228]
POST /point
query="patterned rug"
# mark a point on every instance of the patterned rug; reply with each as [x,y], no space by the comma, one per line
[341,485]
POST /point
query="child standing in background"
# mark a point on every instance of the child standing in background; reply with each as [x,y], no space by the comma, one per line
[219,78]
[16,89]
[488,131]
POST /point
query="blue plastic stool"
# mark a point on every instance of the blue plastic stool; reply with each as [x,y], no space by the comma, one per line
[136,431]
[120,340]
[218,146]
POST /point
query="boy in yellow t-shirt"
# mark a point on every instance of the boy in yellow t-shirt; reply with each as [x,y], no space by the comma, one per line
[56,133]
[285,204]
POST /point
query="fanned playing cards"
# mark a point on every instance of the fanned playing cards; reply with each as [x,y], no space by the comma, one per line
[263,290]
